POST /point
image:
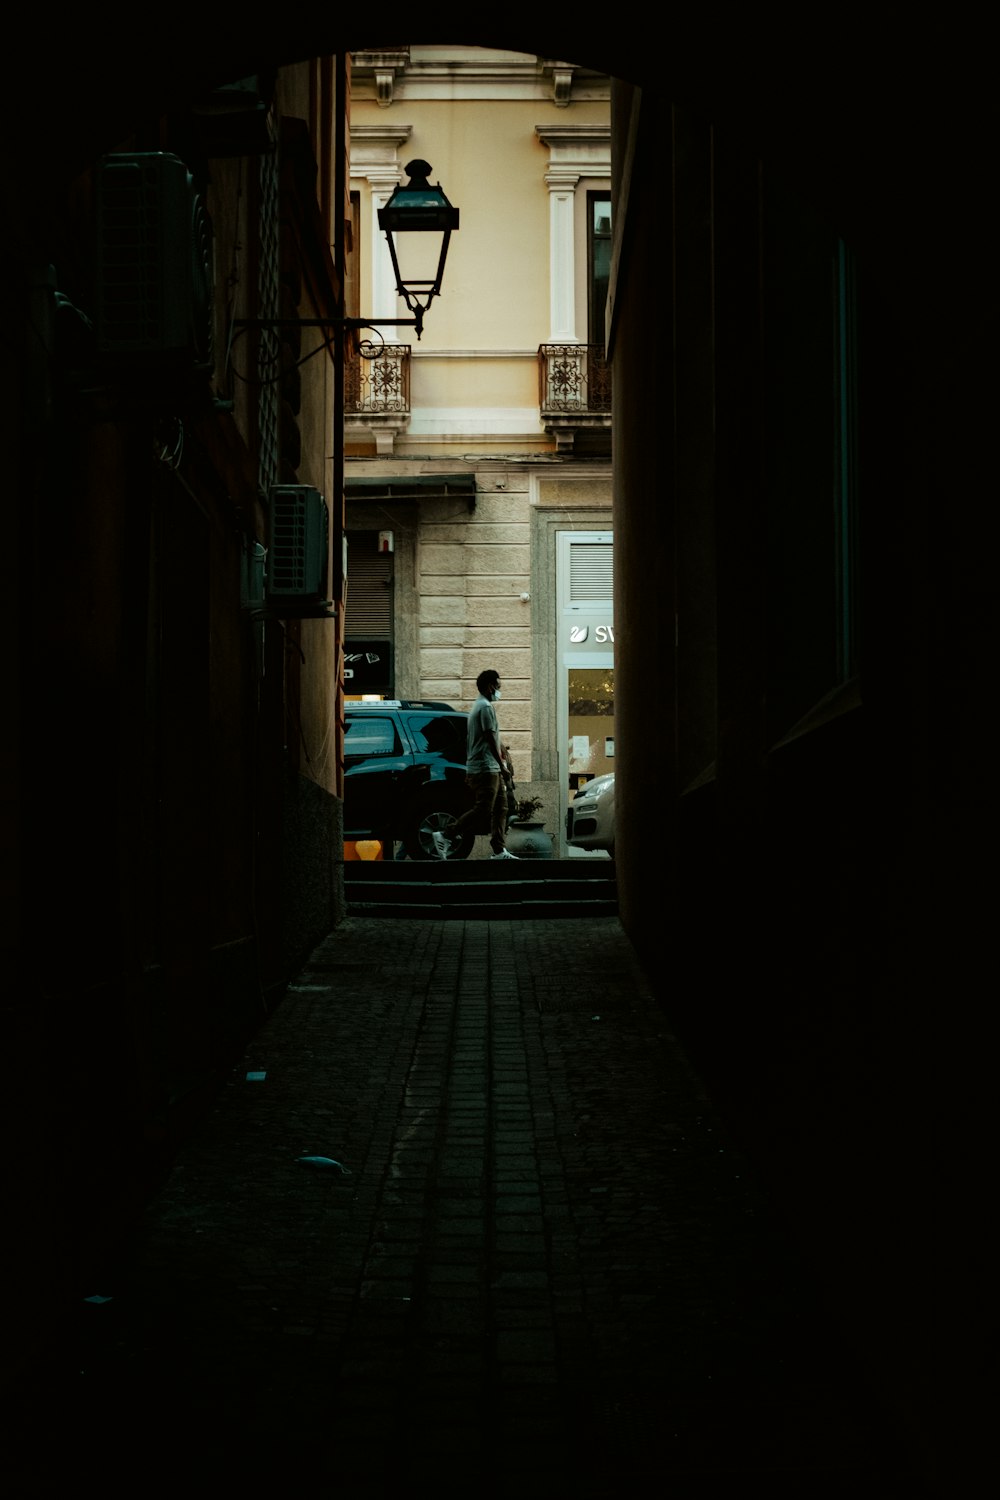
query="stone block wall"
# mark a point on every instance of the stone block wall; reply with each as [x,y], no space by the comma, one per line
[471,571]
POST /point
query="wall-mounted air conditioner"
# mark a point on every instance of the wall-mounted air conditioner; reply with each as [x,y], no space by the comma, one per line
[154,265]
[299,545]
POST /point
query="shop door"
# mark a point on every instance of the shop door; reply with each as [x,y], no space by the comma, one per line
[586,717]
[368,624]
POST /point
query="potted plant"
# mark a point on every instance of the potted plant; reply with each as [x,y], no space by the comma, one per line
[525,833]
[526,809]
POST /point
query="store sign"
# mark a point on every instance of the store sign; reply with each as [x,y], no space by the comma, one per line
[591,637]
[366,666]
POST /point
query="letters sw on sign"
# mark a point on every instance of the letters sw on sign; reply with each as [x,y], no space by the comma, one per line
[604,635]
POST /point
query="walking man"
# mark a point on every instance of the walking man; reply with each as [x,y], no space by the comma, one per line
[486,775]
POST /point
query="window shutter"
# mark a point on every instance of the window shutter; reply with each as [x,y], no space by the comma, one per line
[368,615]
[590,572]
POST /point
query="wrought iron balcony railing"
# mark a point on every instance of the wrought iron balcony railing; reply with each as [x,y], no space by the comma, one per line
[377,380]
[574,380]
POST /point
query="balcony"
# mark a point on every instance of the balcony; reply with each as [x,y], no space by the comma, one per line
[377,391]
[574,396]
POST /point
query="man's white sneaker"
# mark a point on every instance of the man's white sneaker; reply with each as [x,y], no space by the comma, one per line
[504,854]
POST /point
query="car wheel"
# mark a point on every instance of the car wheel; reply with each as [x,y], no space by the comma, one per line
[419,839]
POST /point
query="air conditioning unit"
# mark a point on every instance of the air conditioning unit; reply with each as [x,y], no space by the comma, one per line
[297,556]
[155,278]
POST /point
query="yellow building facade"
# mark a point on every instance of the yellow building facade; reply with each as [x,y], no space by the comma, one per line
[478,457]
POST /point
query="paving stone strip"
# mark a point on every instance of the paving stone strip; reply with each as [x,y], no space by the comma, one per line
[531,1263]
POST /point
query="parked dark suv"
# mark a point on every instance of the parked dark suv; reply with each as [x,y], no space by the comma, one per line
[404,774]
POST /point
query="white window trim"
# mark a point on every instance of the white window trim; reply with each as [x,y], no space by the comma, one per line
[375,160]
[575,151]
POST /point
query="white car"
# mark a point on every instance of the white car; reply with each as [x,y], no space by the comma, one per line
[590,817]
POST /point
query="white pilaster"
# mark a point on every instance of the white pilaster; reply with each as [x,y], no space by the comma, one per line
[384,300]
[562,283]
[575,151]
[374,157]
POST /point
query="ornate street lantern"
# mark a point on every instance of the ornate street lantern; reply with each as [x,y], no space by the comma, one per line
[418,221]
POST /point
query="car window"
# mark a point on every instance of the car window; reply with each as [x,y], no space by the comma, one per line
[370,736]
[439,734]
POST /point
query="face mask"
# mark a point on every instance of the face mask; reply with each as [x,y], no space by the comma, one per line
[496,696]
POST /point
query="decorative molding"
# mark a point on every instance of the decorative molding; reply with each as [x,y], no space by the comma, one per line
[382,429]
[562,81]
[564,429]
[375,152]
[575,151]
[383,65]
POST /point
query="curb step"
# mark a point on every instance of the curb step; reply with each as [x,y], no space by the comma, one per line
[484,910]
[467,890]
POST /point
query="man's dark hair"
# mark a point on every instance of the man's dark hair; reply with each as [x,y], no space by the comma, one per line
[487,681]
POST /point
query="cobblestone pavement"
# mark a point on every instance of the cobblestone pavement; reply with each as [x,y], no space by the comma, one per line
[540,1266]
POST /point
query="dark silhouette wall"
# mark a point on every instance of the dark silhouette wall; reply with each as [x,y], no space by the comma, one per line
[813,908]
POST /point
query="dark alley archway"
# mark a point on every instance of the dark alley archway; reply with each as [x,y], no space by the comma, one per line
[817,923]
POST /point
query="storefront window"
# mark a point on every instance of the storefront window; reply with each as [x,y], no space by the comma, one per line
[591,719]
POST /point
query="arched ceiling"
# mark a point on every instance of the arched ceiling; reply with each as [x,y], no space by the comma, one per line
[889,125]
[840,74]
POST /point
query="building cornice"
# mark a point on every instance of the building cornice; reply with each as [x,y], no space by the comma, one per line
[394,74]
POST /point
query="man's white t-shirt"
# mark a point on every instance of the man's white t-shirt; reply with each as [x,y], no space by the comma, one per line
[479,756]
